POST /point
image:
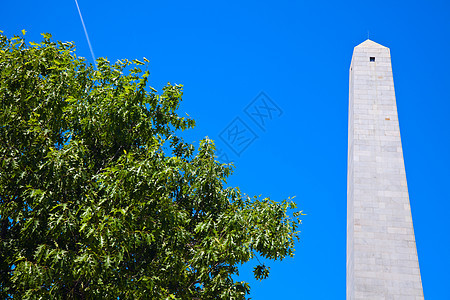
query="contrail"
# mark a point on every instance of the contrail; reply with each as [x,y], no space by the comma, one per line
[87,36]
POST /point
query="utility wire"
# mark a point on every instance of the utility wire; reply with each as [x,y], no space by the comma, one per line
[86,34]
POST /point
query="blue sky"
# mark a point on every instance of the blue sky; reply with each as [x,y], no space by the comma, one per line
[298,53]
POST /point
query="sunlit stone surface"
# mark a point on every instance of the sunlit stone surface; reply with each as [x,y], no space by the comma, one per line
[382,259]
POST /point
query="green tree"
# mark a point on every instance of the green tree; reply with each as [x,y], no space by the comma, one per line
[100,198]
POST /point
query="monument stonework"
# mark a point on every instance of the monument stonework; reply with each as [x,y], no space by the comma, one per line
[382,261]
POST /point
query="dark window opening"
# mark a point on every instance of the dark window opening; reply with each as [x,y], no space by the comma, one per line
[372,59]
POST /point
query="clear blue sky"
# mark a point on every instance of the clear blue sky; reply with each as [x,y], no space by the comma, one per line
[297,52]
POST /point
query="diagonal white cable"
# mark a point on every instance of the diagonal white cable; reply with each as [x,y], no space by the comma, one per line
[85,33]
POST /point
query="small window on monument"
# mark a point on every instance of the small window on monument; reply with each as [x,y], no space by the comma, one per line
[372,59]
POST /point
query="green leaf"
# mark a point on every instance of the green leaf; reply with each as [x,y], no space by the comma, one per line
[108,200]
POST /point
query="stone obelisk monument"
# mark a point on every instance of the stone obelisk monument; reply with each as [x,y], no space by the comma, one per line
[382,260]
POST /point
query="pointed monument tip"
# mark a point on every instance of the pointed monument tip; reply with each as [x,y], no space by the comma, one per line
[370,44]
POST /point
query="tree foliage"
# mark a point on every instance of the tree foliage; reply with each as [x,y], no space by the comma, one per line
[101,198]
